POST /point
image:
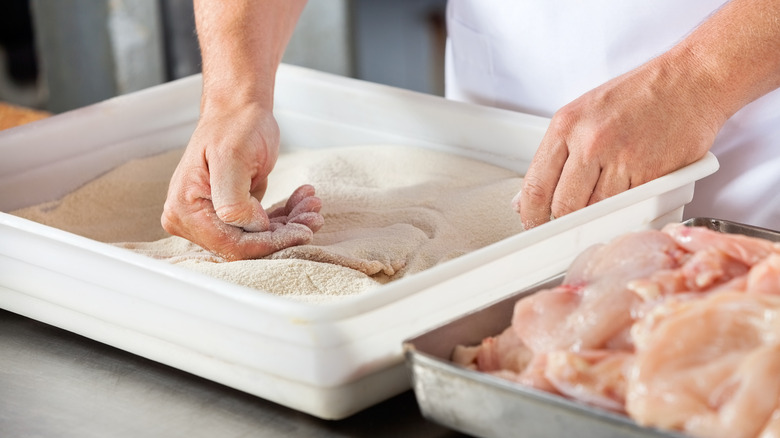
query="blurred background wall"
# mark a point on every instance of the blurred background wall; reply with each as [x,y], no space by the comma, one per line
[58,55]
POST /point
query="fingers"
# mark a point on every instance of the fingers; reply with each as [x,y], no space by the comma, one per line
[301,208]
[613,180]
[234,243]
[197,221]
[310,218]
[535,198]
[563,179]
[295,228]
[256,245]
[580,184]
[575,186]
[301,193]
[232,200]
[295,203]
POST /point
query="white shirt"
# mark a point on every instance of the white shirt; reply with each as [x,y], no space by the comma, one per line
[537,56]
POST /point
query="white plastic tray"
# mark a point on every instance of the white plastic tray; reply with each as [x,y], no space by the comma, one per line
[327,360]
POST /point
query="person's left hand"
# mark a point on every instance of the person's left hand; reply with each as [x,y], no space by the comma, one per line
[626,132]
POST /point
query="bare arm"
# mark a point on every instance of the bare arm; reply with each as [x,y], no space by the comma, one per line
[736,53]
[242,43]
[215,192]
[656,118]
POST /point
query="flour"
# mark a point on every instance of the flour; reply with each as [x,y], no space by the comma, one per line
[390,211]
[125,204]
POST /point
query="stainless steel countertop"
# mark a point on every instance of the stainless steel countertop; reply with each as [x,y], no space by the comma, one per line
[54,383]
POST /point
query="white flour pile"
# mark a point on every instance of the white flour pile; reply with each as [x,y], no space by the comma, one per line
[389,211]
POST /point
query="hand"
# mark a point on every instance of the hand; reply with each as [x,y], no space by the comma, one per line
[215,193]
[628,131]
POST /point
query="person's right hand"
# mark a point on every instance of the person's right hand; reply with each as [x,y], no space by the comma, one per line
[630,130]
[215,193]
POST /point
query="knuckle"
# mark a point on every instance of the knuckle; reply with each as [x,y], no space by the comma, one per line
[560,208]
[563,119]
[592,141]
[233,214]
[170,219]
[168,223]
[535,191]
[311,220]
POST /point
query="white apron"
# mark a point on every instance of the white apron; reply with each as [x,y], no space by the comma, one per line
[535,56]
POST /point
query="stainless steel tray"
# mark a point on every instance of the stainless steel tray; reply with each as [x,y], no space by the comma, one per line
[725,226]
[483,405]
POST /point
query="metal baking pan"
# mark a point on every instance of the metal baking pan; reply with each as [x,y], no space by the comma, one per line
[483,405]
[725,226]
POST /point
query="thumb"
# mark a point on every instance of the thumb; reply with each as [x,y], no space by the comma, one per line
[233,202]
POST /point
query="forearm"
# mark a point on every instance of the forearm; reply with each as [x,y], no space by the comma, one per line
[734,56]
[242,43]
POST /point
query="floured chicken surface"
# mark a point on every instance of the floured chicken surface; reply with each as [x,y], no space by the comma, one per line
[678,328]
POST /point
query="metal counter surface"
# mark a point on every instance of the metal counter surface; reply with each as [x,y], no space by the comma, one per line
[54,383]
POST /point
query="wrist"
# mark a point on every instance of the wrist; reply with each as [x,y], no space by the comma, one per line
[698,86]
[733,57]
[226,95]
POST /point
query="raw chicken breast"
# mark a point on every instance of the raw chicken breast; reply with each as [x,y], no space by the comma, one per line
[503,352]
[680,328]
[594,304]
[710,366]
[764,277]
[699,271]
[597,377]
[749,250]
